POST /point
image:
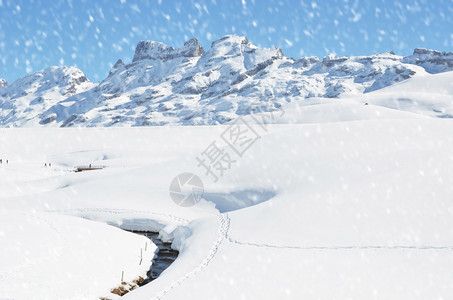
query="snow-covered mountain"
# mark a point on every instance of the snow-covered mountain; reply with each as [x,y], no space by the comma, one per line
[26,100]
[191,86]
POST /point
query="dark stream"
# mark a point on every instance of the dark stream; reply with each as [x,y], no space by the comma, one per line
[165,257]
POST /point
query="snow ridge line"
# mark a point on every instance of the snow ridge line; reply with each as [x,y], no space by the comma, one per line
[224,227]
[364,247]
[62,248]
[121,211]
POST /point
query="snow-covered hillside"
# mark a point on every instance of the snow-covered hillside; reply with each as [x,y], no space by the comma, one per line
[28,99]
[357,206]
[191,86]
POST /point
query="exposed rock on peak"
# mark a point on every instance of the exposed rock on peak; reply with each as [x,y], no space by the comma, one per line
[422,51]
[192,48]
[118,65]
[238,47]
[432,60]
[307,61]
[158,50]
[151,50]
[332,59]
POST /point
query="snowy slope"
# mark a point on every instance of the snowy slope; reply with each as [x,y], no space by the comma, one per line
[27,99]
[191,86]
[428,95]
[48,256]
[346,209]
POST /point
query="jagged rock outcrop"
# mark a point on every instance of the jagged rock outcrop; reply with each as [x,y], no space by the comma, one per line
[117,66]
[188,86]
[432,61]
[157,50]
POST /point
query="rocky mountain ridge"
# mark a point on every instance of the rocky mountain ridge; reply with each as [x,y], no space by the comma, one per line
[191,86]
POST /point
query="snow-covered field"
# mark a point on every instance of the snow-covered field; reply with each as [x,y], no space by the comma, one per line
[350,201]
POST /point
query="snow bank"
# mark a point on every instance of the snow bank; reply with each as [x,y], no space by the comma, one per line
[50,256]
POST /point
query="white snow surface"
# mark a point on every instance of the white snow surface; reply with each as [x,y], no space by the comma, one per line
[51,256]
[345,198]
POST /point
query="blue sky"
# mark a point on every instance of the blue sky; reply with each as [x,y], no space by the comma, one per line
[93,34]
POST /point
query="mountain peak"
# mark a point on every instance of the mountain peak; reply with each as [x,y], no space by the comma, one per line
[157,50]
[118,65]
[432,60]
[423,51]
[61,76]
[192,48]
